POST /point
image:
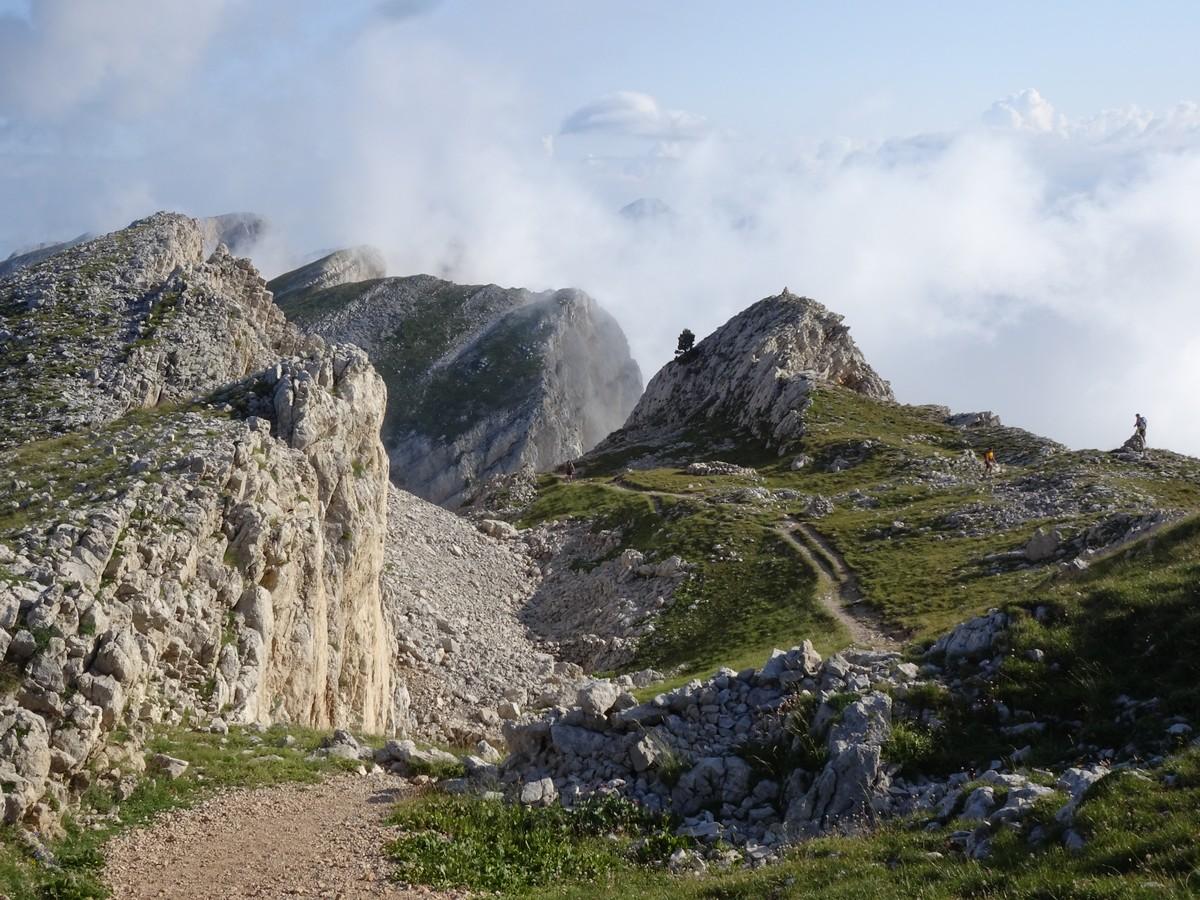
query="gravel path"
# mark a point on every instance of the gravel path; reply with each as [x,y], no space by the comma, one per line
[837,588]
[293,840]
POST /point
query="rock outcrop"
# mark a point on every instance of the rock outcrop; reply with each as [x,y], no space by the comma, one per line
[347,266]
[752,375]
[192,510]
[482,380]
[239,232]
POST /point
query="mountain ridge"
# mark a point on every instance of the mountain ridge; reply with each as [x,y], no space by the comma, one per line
[482,379]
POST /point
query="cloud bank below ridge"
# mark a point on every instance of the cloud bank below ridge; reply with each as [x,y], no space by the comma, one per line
[1032,263]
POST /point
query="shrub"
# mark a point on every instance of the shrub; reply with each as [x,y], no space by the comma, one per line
[911,746]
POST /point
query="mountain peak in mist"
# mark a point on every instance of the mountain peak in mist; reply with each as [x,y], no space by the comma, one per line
[647,209]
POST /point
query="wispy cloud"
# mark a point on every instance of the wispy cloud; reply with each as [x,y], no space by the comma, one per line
[124,54]
[633,114]
[406,9]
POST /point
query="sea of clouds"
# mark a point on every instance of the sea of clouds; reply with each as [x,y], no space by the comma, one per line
[1041,266]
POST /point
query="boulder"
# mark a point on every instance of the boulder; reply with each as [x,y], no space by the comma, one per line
[843,796]
[169,766]
[971,640]
[539,793]
[980,803]
[596,698]
[1044,545]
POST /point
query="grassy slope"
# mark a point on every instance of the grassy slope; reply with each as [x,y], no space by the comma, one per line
[922,577]
[749,593]
[1128,625]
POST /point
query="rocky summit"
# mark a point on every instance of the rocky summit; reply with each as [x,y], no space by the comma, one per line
[775,635]
[752,375]
[482,380]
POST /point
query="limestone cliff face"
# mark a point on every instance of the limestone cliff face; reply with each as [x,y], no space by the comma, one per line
[482,380]
[192,509]
[753,375]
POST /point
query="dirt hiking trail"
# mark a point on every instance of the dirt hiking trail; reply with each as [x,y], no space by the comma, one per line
[837,588]
[292,840]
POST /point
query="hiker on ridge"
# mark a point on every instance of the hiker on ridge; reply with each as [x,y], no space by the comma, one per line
[989,462]
[1139,425]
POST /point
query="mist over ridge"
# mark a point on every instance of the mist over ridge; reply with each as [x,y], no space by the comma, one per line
[1030,261]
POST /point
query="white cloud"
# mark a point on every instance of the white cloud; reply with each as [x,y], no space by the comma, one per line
[1044,267]
[1025,110]
[633,114]
[125,53]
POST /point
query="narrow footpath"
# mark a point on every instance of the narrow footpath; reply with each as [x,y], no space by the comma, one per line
[289,840]
[837,587]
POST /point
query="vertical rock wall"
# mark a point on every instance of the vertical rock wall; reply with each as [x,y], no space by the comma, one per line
[194,527]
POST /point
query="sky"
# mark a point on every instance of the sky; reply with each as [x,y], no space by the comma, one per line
[1002,199]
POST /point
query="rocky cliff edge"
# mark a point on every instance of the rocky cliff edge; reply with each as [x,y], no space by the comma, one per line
[192,512]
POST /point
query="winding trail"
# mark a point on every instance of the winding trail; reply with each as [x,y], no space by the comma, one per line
[837,586]
[289,840]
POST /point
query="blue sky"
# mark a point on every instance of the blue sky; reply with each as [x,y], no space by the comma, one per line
[1001,198]
[868,69]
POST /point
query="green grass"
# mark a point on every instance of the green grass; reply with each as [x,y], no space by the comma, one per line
[921,578]
[1128,625]
[749,592]
[1140,843]
[926,579]
[457,842]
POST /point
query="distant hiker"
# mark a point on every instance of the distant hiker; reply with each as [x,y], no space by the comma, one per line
[989,462]
[569,469]
[1139,425]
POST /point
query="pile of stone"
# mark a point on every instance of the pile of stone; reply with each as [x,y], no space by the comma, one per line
[456,592]
[708,753]
[697,751]
[595,600]
[720,468]
[1135,445]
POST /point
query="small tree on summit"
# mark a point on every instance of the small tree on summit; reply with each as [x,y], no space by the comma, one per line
[686,341]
